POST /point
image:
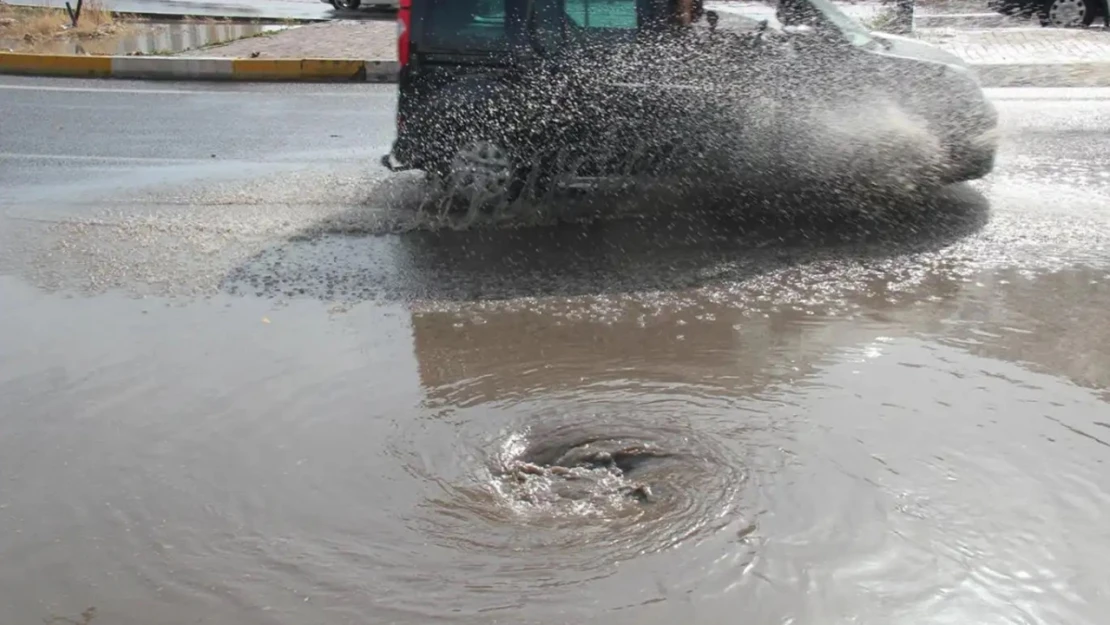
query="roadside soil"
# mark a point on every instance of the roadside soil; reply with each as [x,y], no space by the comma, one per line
[24,29]
[98,32]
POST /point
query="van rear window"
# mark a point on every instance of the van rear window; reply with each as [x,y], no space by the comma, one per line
[467,24]
[492,24]
[620,14]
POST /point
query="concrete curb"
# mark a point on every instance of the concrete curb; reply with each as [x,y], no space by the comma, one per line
[198,68]
[1082,74]
[965,20]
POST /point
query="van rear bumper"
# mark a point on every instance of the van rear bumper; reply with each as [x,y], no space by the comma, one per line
[390,162]
[403,155]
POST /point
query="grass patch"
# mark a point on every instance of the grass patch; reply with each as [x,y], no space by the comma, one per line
[25,27]
[38,30]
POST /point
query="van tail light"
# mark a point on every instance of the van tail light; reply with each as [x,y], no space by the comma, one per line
[404,26]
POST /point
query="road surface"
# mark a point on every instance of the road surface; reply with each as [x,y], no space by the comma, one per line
[243,381]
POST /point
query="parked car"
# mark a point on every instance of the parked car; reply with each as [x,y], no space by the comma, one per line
[1058,13]
[489,90]
[351,5]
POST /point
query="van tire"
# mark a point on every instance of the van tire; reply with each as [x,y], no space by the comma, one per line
[482,171]
[1048,10]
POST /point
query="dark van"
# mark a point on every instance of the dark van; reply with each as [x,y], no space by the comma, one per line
[490,89]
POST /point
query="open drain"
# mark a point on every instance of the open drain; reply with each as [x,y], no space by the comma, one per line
[622,476]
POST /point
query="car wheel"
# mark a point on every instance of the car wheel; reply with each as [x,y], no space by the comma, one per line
[1068,13]
[346,5]
[481,174]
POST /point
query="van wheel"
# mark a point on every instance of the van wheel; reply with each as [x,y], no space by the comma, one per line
[1067,13]
[481,174]
[346,5]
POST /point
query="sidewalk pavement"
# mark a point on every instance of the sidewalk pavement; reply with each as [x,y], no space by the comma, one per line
[927,14]
[361,40]
[1031,57]
[366,50]
[377,41]
[1002,57]
[316,10]
[1006,46]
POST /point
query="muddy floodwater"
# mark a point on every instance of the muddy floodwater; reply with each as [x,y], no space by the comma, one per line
[847,439]
[277,397]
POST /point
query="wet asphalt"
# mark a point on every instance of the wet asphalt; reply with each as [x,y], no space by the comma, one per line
[243,381]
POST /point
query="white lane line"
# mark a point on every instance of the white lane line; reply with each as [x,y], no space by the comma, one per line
[18,156]
[1048,93]
[315,157]
[327,94]
[1044,93]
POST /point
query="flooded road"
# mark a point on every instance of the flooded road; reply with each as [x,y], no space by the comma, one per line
[255,388]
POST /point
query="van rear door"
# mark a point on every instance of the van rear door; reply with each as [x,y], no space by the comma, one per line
[479,31]
[609,116]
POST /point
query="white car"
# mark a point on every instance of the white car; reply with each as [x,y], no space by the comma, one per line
[351,5]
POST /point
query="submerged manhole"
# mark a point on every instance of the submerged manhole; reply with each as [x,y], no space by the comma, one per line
[664,483]
[556,497]
[611,470]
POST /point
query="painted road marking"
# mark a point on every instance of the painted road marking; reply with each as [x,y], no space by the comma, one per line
[108,88]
